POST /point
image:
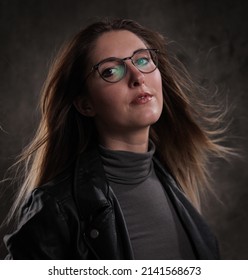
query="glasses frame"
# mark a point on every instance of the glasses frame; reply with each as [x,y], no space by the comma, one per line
[122,60]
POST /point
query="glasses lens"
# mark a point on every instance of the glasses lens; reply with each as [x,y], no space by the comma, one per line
[112,71]
[145,60]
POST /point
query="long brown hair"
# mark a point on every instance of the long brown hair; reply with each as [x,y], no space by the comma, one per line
[183,136]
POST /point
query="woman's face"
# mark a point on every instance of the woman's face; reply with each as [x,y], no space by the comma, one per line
[131,104]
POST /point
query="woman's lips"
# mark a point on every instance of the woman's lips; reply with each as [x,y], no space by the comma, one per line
[142,98]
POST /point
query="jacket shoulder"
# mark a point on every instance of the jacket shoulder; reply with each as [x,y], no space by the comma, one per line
[45,218]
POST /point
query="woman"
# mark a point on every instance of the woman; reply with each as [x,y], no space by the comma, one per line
[119,157]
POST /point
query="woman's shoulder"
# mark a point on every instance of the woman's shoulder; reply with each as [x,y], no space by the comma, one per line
[43,220]
[51,197]
[59,188]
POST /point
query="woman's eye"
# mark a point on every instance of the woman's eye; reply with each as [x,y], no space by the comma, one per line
[108,72]
[142,61]
[113,72]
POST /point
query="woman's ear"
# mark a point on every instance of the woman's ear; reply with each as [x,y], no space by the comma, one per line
[84,106]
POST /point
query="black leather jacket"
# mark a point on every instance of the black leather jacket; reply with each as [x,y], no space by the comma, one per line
[77,216]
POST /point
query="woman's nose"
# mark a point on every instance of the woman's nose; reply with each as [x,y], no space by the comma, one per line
[136,78]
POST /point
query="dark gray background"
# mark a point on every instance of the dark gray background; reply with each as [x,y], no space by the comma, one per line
[210,37]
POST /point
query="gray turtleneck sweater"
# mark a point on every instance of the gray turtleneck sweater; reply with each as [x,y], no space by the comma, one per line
[154,228]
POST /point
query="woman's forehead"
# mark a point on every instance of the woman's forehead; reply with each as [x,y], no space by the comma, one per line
[121,43]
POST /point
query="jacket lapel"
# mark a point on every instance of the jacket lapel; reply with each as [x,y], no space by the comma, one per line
[96,209]
[203,241]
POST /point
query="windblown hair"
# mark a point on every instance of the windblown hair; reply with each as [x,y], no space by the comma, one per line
[185,136]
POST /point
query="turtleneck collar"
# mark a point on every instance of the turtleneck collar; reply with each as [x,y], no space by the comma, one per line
[127,168]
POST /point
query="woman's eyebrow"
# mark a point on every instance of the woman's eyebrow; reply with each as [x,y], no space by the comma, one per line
[115,57]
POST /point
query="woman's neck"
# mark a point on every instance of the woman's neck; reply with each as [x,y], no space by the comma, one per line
[137,143]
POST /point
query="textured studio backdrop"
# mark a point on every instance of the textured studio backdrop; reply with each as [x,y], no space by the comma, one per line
[209,36]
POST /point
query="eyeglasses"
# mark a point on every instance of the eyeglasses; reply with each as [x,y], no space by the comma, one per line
[113,69]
